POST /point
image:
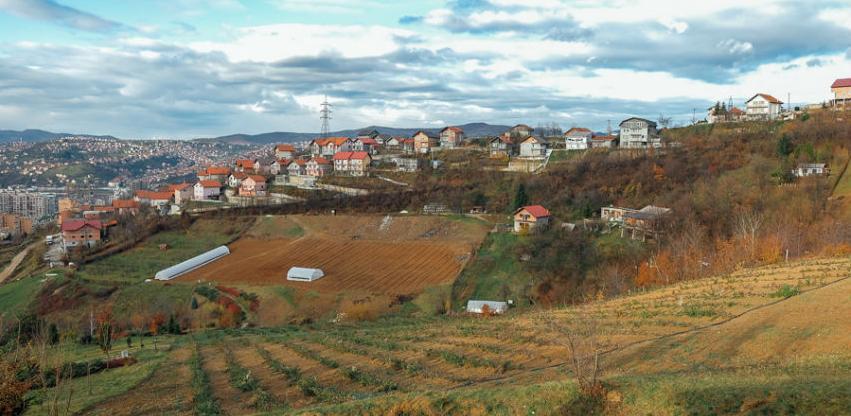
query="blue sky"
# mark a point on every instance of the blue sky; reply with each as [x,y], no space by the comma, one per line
[188,68]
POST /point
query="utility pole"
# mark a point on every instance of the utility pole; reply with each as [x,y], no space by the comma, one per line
[325,116]
[609,128]
[693,115]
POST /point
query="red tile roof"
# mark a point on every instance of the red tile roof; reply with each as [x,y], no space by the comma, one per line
[285,148]
[767,97]
[577,130]
[124,203]
[258,178]
[351,155]
[321,160]
[210,184]
[300,162]
[75,225]
[369,140]
[178,187]
[455,129]
[245,163]
[338,141]
[604,138]
[215,170]
[536,211]
[153,195]
[841,83]
[239,175]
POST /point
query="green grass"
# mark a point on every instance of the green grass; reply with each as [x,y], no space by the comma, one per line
[105,385]
[786,291]
[144,260]
[495,273]
[16,296]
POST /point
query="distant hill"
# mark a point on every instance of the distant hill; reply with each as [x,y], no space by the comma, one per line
[7,136]
[471,129]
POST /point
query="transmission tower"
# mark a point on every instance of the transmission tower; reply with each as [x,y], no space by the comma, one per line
[325,116]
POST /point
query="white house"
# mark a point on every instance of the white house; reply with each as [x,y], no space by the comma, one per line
[318,166]
[235,179]
[284,151]
[207,190]
[253,185]
[533,147]
[810,169]
[763,107]
[352,163]
[578,138]
[492,307]
[638,133]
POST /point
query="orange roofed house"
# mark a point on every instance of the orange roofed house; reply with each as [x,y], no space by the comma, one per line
[841,89]
[331,145]
[81,233]
[207,190]
[352,163]
[214,173]
[253,185]
[530,217]
[284,151]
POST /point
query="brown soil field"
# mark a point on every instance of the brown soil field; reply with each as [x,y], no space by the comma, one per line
[370,254]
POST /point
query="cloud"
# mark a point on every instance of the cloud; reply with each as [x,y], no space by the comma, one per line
[409,20]
[51,11]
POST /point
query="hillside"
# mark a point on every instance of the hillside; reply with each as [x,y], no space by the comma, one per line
[29,135]
[742,334]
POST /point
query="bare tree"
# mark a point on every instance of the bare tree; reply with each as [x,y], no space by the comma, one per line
[579,333]
[665,122]
[748,225]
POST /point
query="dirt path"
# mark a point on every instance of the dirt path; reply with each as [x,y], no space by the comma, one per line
[16,261]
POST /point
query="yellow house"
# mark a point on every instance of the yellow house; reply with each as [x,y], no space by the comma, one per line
[530,217]
[841,90]
[424,141]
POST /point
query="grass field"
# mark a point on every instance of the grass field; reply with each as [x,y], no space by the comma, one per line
[15,296]
[494,274]
[144,260]
[724,345]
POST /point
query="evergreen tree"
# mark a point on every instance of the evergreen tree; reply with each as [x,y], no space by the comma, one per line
[520,197]
[784,146]
[194,303]
[53,334]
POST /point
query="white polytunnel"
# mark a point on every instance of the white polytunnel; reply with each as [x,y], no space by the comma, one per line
[192,264]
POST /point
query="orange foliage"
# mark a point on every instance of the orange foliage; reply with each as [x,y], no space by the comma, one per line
[646,275]
[769,249]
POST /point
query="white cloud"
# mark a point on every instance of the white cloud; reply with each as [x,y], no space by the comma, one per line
[735,47]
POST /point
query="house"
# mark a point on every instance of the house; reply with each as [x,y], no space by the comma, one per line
[424,141]
[207,190]
[638,133]
[393,144]
[578,138]
[518,133]
[407,164]
[214,173]
[154,198]
[367,134]
[646,221]
[605,142]
[810,169]
[502,146]
[352,163]
[530,217]
[451,137]
[365,144]
[297,167]
[182,192]
[284,151]
[533,147]
[126,206]
[247,165]
[15,225]
[81,233]
[763,107]
[279,166]
[317,166]
[407,146]
[841,89]
[614,215]
[253,185]
[487,306]
[235,179]
[329,146]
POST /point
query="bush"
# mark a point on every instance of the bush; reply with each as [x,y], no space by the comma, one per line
[786,291]
[310,386]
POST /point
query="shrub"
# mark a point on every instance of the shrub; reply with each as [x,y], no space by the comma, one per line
[310,386]
[205,402]
[693,311]
[786,291]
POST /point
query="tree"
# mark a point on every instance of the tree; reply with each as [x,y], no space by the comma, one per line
[154,327]
[53,334]
[520,197]
[581,335]
[785,146]
[664,121]
[105,332]
[194,303]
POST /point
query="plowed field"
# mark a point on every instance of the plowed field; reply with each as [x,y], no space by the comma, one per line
[388,255]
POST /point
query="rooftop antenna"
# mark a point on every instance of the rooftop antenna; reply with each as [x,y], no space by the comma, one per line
[325,116]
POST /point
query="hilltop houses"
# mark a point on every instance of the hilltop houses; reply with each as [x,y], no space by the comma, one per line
[502,146]
[329,146]
[297,167]
[604,142]
[182,192]
[253,185]
[214,173]
[578,138]
[763,107]
[424,141]
[533,147]
[841,89]
[284,151]
[638,133]
[318,167]
[518,133]
[81,233]
[207,190]
[451,137]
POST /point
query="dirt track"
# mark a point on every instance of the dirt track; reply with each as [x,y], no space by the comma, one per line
[16,261]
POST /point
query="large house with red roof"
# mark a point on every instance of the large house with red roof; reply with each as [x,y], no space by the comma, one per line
[154,198]
[578,138]
[425,141]
[763,107]
[530,217]
[841,89]
[284,151]
[126,206]
[253,185]
[365,144]
[352,163]
[247,165]
[451,137]
[214,173]
[331,145]
[81,233]
[297,167]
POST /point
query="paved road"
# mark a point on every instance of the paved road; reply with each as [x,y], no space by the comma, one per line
[16,261]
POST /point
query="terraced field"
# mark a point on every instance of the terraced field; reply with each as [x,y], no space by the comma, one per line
[316,371]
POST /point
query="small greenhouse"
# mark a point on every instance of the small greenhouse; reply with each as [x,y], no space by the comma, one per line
[304,274]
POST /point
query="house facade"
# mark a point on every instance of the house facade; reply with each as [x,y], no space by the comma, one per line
[533,147]
[518,133]
[638,133]
[810,169]
[352,163]
[235,179]
[841,89]
[330,146]
[424,141]
[253,185]
[451,137]
[318,167]
[578,138]
[531,217]
[182,192]
[284,151]
[207,190]
[502,146]
[214,173]
[763,107]
[297,167]
[81,233]
[365,144]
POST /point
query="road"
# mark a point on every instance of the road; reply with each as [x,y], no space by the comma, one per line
[16,261]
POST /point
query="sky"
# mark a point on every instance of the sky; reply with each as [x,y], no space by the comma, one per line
[201,68]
